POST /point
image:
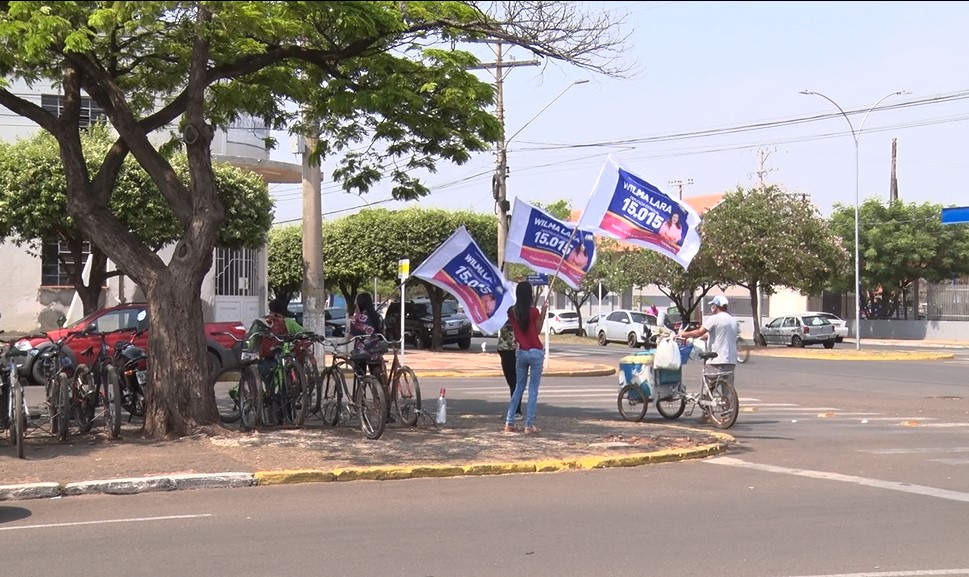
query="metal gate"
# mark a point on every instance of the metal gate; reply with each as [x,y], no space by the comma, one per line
[237,285]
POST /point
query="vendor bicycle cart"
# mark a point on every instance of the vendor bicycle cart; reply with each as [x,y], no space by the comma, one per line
[716,396]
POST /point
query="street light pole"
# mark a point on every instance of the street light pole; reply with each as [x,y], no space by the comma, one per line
[499,183]
[856,136]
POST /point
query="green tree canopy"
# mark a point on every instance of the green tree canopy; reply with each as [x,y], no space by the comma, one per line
[33,204]
[766,238]
[900,243]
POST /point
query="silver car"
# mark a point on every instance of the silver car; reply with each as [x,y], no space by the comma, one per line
[797,331]
[625,326]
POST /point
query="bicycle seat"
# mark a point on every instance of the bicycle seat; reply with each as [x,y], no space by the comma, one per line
[708,356]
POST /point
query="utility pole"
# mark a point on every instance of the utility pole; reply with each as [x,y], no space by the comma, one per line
[313,296]
[680,184]
[893,191]
[498,185]
[761,171]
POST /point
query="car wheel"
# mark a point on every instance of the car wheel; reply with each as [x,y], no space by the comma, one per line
[761,341]
[603,341]
[632,340]
[829,345]
[797,342]
[464,344]
[420,342]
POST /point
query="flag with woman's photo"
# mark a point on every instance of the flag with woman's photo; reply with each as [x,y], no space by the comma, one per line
[626,207]
[459,267]
[540,241]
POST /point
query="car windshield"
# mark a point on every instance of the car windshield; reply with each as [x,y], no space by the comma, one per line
[448,308]
[643,318]
[568,316]
[830,317]
[815,321]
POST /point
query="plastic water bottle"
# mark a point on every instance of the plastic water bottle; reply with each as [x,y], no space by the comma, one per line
[441,409]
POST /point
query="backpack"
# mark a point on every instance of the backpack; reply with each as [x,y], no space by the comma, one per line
[277,326]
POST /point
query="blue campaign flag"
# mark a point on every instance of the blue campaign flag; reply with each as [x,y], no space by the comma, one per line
[955,215]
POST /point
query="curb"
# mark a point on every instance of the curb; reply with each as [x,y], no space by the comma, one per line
[826,355]
[377,473]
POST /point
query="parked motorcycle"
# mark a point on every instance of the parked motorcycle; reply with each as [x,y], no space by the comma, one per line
[132,364]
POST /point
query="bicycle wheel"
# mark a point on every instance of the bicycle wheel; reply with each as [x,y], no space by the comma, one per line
[632,403]
[249,398]
[62,393]
[407,396]
[725,405]
[83,403]
[332,397]
[295,390]
[313,386]
[671,406]
[743,350]
[111,397]
[19,424]
[371,405]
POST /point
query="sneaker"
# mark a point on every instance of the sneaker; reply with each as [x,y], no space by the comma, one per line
[532,430]
[519,416]
[510,428]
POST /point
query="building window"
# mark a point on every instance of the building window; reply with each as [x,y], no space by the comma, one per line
[90,111]
[57,262]
[235,271]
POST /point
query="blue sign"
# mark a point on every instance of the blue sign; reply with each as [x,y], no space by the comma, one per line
[955,215]
[538,279]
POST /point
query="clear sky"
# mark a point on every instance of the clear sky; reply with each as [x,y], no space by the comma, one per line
[710,66]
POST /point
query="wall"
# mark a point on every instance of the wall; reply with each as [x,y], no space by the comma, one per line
[912,330]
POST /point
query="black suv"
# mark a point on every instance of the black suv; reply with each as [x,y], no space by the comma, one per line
[419,320]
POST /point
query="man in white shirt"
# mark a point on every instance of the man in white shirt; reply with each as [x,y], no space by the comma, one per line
[722,329]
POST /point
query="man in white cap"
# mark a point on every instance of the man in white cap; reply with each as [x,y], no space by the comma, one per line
[723,329]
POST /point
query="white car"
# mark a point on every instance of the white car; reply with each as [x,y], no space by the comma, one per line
[840,325]
[626,326]
[560,321]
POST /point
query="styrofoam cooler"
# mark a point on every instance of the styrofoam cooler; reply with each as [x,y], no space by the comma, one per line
[638,370]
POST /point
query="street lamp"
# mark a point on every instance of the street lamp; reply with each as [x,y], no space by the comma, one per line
[501,173]
[856,135]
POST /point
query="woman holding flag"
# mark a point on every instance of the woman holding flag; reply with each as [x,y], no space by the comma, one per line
[526,322]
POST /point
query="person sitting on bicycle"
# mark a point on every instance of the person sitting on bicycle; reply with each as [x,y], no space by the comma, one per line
[722,329]
[366,322]
[279,322]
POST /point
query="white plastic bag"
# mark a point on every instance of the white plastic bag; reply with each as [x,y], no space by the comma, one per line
[667,355]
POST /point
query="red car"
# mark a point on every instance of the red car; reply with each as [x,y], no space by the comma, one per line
[223,351]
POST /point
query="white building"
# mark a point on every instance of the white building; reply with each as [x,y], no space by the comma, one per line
[38,291]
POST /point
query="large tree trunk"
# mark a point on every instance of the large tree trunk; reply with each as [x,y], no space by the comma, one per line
[754,308]
[180,398]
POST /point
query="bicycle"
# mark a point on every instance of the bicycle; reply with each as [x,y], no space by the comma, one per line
[247,395]
[57,369]
[98,385]
[286,399]
[400,385]
[366,400]
[717,397]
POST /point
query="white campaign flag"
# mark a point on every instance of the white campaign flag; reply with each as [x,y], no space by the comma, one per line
[626,207]
[548,245]
[459,267]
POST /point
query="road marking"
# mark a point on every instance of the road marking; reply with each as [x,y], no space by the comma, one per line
[916,450]
[105,522]
[864,481]
[917,573]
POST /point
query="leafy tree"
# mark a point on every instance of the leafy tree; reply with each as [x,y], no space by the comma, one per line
[900,244]
[33,205]
[372,76]
[285,267]
[686,288]
[767,238]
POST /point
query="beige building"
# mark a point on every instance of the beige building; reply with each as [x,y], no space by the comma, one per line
[38,291]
